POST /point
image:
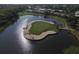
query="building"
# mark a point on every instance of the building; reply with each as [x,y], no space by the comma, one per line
[77,14]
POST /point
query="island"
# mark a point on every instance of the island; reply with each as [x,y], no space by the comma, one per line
[38,29]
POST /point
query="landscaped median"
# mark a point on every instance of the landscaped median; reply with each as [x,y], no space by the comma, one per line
[36,30]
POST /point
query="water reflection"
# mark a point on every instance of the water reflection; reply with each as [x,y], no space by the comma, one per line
[13,41]
[54,43]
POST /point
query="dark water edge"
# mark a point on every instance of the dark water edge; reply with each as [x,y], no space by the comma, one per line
[51,44]
[54,44]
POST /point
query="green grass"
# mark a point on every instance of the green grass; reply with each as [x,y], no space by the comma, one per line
[5,18]
[74,32]
[2,28]
[39,26]
[5,25]
[4,12]
[24,13]
[60,19]
[72,50]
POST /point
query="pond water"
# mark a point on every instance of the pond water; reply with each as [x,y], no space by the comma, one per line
[12,40]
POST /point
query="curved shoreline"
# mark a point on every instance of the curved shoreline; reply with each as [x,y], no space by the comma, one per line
[33,36]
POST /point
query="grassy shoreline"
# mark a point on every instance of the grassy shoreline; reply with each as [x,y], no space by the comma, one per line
[7,17]
[61,20]
[38,27]
[38,32]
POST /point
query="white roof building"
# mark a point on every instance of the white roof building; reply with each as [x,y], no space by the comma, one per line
[77,13]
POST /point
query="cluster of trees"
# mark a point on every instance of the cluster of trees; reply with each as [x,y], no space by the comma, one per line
[72,19]
[7,17]
[9,14]
[69,11]
[73,22]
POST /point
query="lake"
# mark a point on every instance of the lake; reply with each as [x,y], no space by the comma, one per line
[12,40]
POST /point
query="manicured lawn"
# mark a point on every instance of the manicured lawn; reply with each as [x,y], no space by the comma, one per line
[59,19]
[39,26]
[24,13]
